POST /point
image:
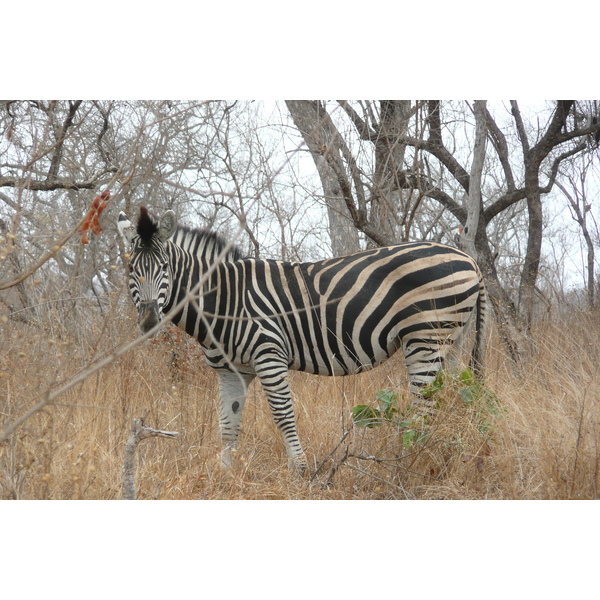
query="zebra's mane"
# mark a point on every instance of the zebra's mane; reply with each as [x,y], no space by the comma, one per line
[204,243]
[146,226]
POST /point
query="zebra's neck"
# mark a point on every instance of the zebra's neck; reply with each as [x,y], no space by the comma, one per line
[205,245]
[192,254]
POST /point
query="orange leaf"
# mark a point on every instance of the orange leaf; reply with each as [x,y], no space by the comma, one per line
[91,221]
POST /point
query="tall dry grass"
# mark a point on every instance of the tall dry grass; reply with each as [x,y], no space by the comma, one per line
[542,444]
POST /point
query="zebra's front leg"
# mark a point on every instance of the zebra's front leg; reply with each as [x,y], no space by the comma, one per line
[233,387]
[273,375]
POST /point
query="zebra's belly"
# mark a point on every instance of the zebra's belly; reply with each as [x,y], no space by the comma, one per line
[348,362]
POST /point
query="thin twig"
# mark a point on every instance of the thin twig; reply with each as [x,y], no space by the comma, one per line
[334,468]
[346,433]
[383,461]
[407,496]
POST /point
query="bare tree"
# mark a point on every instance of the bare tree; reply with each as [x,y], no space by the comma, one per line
[575,190]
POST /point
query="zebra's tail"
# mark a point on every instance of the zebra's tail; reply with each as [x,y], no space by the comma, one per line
[481,323]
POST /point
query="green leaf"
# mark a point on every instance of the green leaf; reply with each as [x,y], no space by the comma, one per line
[467,377]
[408,438]
[388,403]
[366,416]
[435,386]
[386,397]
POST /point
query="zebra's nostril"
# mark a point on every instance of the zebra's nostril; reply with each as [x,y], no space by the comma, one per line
[148,315]
[148,322]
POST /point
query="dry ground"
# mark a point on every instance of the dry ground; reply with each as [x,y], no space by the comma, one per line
[540,442]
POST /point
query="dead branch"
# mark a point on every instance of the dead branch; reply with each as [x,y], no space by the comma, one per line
[139,432]
[346,433]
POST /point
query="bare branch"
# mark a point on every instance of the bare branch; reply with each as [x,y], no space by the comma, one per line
[516,112]
[365,132]
[58,149]
[501,146]
[139,431]
[437,149]
[50,186]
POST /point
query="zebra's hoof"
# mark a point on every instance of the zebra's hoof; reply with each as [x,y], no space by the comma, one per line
[298,467]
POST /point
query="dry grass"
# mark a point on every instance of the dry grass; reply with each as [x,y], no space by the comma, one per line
[544,444]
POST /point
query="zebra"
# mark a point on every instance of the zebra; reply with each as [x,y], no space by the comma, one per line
[261,318]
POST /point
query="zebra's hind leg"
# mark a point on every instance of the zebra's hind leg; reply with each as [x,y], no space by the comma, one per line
[233,387]
[420,375]
[423,406]
[273,375]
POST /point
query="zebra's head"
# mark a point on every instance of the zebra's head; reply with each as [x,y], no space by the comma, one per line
[149,271]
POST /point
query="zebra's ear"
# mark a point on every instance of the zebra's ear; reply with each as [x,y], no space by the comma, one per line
[125,227]
[168,224]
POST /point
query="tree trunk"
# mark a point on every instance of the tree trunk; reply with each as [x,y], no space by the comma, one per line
[473,204]
[510,326]
[533,158]
[389,163]
[534,246]
[580,216]
[321,137]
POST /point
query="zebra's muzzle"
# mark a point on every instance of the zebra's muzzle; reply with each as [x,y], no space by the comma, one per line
[148,315]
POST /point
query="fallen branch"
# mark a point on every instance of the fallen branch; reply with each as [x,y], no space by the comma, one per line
[139,432]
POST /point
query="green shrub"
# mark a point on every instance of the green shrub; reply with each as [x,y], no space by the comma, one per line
[484,403]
